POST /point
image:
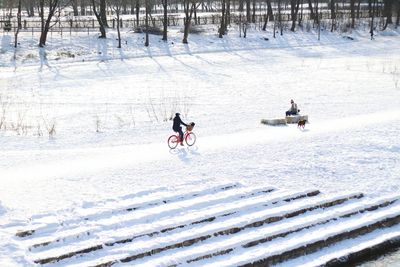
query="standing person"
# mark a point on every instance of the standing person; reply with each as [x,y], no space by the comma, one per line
[293,109]
[177,126]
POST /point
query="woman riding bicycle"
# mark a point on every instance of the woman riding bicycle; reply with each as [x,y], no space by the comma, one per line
[177,126]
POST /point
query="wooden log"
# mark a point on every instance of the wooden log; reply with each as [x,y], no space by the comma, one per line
[274,122]
[296,118]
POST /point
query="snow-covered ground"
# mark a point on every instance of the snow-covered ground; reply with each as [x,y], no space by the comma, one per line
[112,122]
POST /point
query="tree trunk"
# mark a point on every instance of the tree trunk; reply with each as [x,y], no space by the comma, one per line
[294,8]
[41,4]
[132,7]
[117,7]
[352,12]
[372,20]
[147,22]
[311,9]
[98,17]
[253,16]
[387,12]
[186,5]
[280,17]
[53,4]
[189,8]
[301,13]
[228,14]
[318,19]
[264,28]
[222,26]
[75,7]
[370,8]
[269,11]
[137,12]
[124,7]
[248,11]
[103,13]
[83,8]
[398,15]
[19,24]
[19,20]
[165,20]
[30,9]
[333,15]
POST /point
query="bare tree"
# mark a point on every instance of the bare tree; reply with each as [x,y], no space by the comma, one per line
[222,27]
[253,16]
[317,15]
[83,7]
[103,14]
[387,12]
[147,7]
[53,6]
[333,15]
[75,7]
[352,13]
[165,19]
[117,7]
[280,16]
[19,20]
[370,8]
[30,10]
[227,14]
[269,10]
[137,7]
[270,15]
[311,9]
[189,6]
[372,19]
[41,12]
[99,20]
[248,9]
[19,24]
[294,10]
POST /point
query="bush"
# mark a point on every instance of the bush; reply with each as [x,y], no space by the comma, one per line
[151,30]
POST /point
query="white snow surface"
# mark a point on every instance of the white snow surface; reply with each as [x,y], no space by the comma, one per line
[111,135]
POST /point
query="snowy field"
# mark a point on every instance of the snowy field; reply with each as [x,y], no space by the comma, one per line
[110,110]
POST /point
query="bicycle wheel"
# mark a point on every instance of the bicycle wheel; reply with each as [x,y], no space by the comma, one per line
[172,141]
[190,139]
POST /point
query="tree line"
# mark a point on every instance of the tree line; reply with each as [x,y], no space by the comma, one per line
[49,11]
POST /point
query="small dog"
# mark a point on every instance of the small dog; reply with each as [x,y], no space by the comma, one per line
[301,124]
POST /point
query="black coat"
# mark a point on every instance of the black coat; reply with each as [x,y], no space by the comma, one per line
[177,123]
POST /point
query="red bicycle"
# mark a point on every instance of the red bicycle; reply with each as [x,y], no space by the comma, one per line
[189,137]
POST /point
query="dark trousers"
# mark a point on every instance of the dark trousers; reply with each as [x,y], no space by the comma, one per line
[179,130]
[288,113]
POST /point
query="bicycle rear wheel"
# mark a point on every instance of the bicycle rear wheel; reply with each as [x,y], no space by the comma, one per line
[173,141]
[190,139]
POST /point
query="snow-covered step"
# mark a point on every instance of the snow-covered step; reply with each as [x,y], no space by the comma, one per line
[213,206]
[350,250]
[309,240]
[134,231]
[143,247]
[143,199]
[223,245]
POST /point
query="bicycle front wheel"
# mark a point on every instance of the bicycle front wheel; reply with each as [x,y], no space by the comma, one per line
[190,139]
[173,141]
